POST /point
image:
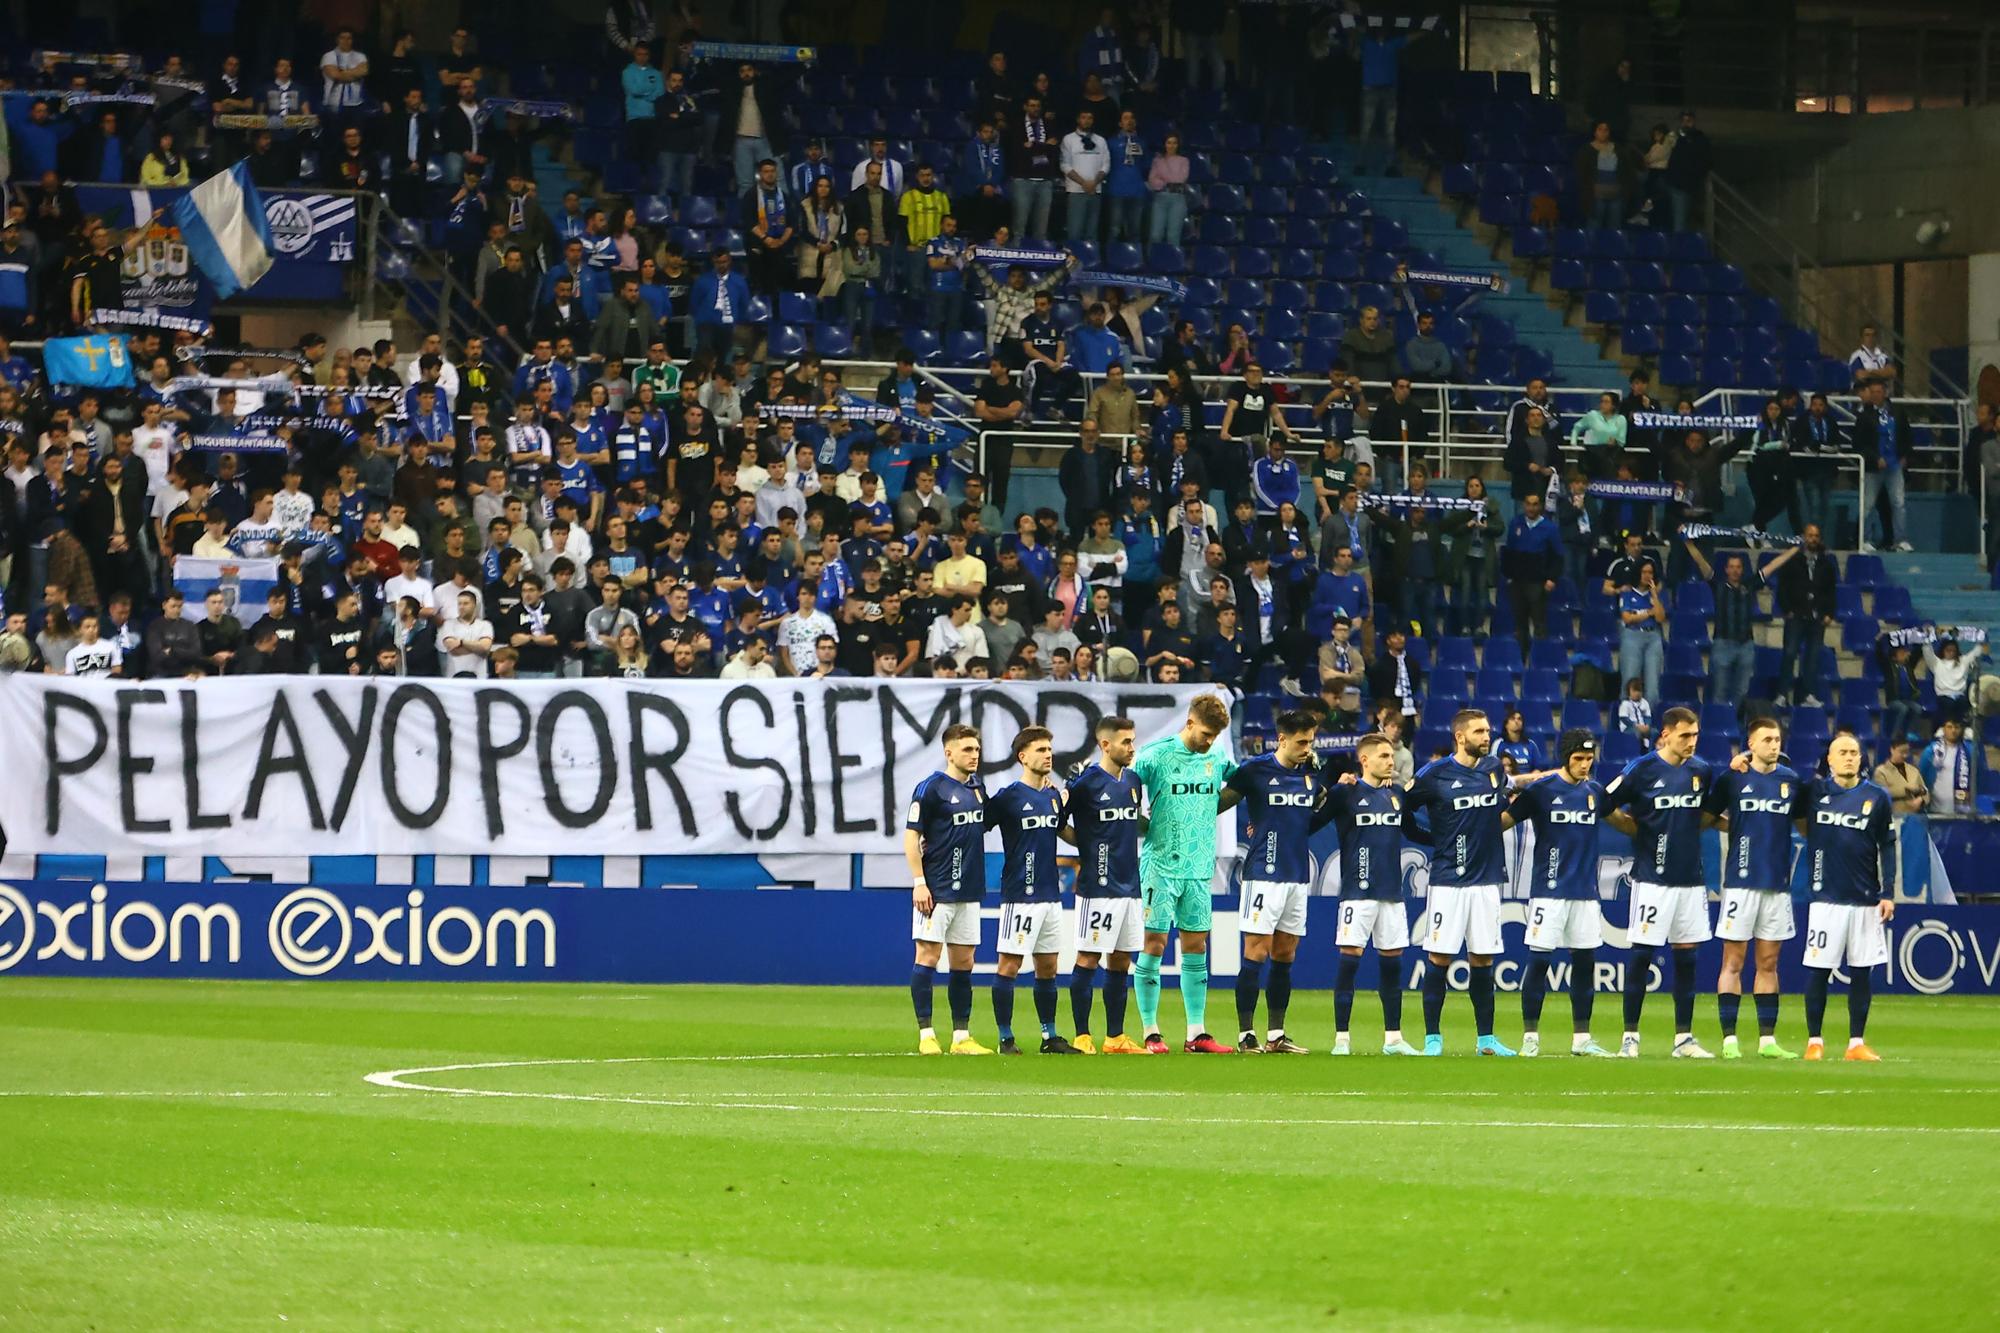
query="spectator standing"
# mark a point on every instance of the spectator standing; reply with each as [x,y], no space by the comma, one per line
[1127,186]
[1199,24]
[822,223]
[1103,54]
[678,135]
[769,221]
[1086,162]
[1167,182]
[1951,670]
[344,72]
[1687,170]
[751,128]
[1642,621]
[1600,433]
[643,87]
[1605,175]
[1871,363]
[1806,599]
[1369,348]
[1473,556]
[1381,52]
[1954,770]
[1531,559]
[1733,655]
[1033,169]
[1818,439]
[922,208]
[981,183]
[1610,100]
[1426,356]
[719,303]
[1882,439]
[1770,468]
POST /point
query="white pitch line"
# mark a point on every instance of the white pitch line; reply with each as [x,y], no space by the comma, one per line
[399,1079]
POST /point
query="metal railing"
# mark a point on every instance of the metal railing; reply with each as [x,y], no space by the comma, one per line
[1473,436]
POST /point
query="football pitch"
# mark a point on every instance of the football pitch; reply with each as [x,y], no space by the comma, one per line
[218,1156]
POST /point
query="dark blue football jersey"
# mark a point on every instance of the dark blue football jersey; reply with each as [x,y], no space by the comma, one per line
[1758,852]
[1462,807]
[1665,802]
[1027,818]
[1563,815]
[950,817]
[1104,814]
[1849,841]
[1369,823]
[1279,802]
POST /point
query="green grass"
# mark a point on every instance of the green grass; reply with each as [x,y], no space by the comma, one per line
[886,1191]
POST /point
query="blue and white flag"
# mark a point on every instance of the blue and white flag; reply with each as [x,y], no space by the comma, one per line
[222,224]
[244,583]
[1135,282]
[97,361]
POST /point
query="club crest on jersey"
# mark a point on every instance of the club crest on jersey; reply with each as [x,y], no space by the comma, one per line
[1591,800]
[1784,791]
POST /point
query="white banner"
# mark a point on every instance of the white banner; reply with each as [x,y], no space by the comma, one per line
[332,765]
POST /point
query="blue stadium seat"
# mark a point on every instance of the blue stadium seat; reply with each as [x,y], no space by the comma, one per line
[1450,687]
[1682,340]
[1271,199]
[1586,713]
[1545,655]
[1124,257]
[1502,654]
[1254,261]
[798,308]
[1677,369]
[1715,750]
[1284,326]
[1456,653]
[1211,260]
[1541,687]
[786,342]
[1690,247]
[833,340]
[1720,719]
[1568,275]
[1290,294]
[1864,571]
[1892,602]
[1639,339]
[1494,683]
[967,347]
[1264,231]
[1298,263]
[1620,749]
[1684,658]
[1861,694]
[1643,308]
[1165,259]
[1857,635]
[1603,308]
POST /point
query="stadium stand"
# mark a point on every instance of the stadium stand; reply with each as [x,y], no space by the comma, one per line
[686,414]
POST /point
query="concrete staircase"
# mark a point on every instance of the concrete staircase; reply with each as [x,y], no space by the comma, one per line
[1950,589]
[1434,226]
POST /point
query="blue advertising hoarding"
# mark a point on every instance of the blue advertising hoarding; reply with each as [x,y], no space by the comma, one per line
[263,930]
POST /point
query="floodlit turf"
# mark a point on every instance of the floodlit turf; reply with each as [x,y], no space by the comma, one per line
[640,1178]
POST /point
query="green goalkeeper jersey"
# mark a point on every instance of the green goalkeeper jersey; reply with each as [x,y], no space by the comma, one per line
[1181,788]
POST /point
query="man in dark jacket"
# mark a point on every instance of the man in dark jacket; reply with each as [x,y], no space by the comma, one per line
[1806,600]
[1687,170]
[173,644]
[751,126]
[1086,476]
[1882,439]
[410,139]
[114,528]
[1531,559]
[510,296]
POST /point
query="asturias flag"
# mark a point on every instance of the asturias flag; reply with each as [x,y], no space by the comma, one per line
[98,361]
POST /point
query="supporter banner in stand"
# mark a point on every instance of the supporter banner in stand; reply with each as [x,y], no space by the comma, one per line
[260,930]
[333,765]
[315,237]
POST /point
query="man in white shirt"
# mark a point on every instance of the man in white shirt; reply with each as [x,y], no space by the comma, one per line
[444,597]
[892,170]
[447,380]
[258,536]
[465,640]
[154,445]
[752,662]
[397,530]
[291,508]
[409,583]
[779,491]
[1086,160]
[1869,363]
[798,632]
[342,70]
[957,636]
[92,656]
